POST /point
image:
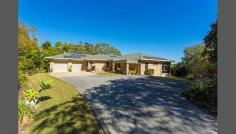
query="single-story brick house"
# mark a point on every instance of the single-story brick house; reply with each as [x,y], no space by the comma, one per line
[138,62]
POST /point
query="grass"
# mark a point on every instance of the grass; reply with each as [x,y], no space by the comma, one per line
[107,73]
[61,109]
[180,79]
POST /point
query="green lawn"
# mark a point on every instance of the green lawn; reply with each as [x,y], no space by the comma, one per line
[108,73]
[61,110]
[180,79]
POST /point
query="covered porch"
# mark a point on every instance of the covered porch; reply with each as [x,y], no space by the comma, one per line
[127,67]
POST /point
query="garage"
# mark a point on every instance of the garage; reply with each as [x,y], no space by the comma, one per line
[76,67]
[60,67]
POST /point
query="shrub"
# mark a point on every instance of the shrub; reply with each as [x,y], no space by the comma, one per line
[45,84]
[179,70]
[31,96]
[22,77]
[149,72]
[204,94]
[23,111]
[118,70]
[132,72]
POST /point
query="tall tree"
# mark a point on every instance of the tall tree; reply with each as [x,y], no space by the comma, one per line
[210,41]
[59,47]
[210,50]
[27,52]
[104,48]
[88,48]
[46,45]
[194,61]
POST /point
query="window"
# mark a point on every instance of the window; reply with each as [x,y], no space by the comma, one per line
[165,68]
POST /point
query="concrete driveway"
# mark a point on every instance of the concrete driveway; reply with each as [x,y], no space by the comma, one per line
[142,105]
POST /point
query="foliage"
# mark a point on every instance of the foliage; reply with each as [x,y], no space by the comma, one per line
[194,62]
[32,55]
[45,84]
[210,41]
[61,109]
[201,64]
[23,111]
[179,70]
[132,72]
[46,45]
[31,95]
[21,78]
[27,52]
[203,93]
[149,72]
[119,71]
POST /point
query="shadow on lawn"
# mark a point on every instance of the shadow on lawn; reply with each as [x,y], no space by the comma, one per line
[73,116]
[148,105]
[44,98]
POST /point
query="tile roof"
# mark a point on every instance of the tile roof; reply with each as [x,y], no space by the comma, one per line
[141,56]
[132,56]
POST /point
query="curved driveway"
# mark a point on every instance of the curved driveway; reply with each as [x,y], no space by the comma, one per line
[142,105]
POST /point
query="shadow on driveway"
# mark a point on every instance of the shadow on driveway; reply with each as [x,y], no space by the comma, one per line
[147,105]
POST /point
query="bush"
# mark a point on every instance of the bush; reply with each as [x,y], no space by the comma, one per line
[118,70]
[45,84]
[22,77]
[31,96]
[132,72]
[149,72]
[179,70]
[23,111]
[204,94]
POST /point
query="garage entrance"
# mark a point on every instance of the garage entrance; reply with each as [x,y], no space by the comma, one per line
[60,67]
[76,67]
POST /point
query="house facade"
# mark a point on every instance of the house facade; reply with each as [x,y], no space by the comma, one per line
[136,63]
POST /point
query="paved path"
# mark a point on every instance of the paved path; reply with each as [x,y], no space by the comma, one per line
[142,105]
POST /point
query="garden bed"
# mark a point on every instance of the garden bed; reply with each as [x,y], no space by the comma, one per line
[61,109]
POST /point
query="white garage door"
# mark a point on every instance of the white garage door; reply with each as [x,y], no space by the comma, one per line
[60,67]
[76,67]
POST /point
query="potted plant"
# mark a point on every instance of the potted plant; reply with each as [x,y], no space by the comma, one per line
[31,96]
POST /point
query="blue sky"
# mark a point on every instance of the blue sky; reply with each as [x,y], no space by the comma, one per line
[159,27]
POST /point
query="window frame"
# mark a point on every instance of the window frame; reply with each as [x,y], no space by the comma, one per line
[165,68]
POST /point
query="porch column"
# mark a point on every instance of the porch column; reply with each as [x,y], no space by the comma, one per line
[126,68]
[139,69]
[51,66]
[69,66]
[113,67]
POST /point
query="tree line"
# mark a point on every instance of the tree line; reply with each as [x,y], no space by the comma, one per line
[31,54]
[199,64]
